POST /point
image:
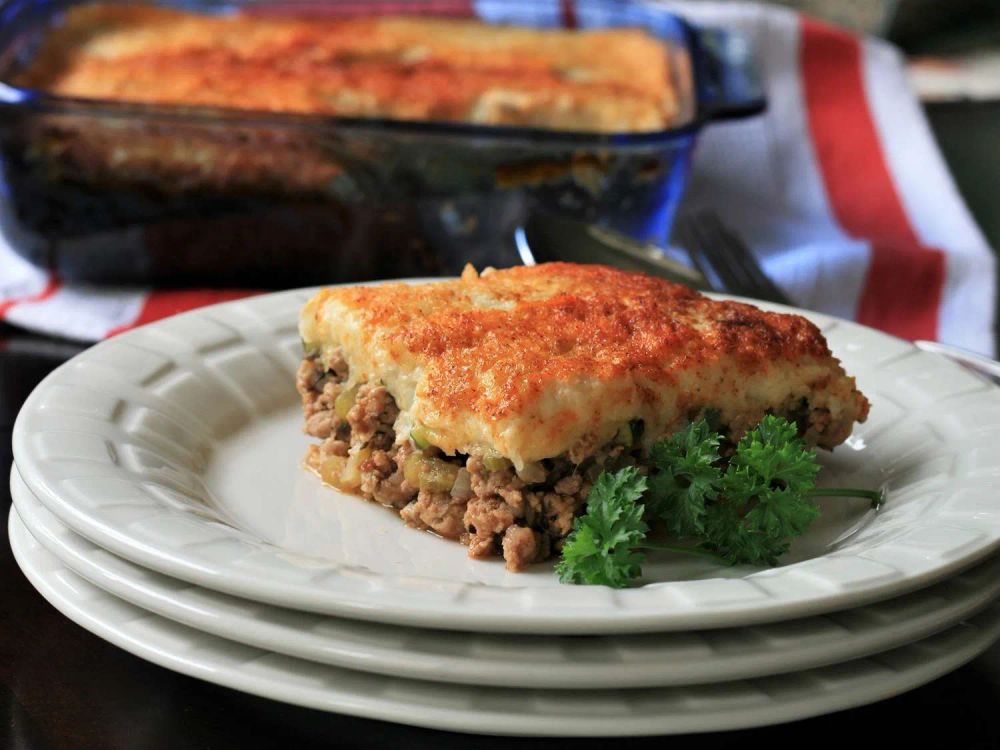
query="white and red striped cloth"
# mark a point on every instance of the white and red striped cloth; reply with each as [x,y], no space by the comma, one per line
[839,187]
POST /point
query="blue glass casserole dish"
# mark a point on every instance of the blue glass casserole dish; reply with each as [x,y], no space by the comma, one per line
[404,198]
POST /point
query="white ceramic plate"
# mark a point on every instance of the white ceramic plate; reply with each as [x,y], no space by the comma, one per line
[177,446]
[487,710]
[569,662]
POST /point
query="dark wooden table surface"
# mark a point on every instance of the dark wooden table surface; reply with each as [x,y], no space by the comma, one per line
[61,687]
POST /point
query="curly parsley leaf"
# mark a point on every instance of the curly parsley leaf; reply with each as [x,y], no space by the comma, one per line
[744,511]
[775,454]
[602,548]
[765,495]
[686,478]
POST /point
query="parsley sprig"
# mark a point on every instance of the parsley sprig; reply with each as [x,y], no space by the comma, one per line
[604,540]
[742,510]
[688,479]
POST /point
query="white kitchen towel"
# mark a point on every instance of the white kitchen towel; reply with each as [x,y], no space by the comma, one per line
[839,188]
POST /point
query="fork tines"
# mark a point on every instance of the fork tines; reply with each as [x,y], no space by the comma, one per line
[720,254]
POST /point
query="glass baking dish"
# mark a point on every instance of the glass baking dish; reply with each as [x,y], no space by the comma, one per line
[263,199]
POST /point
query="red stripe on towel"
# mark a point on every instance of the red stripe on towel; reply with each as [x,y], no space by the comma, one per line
[51,287]
[903,287]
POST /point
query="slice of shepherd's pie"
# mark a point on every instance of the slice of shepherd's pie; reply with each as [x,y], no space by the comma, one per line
[482,408]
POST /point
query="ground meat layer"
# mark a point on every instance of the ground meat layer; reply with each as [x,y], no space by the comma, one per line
[490,508]
[493,512]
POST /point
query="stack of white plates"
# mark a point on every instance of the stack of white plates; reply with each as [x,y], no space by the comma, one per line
[159,502]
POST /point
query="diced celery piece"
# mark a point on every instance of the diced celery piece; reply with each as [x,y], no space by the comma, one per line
[412,468]
[421,437]
[493,461]
[345,401]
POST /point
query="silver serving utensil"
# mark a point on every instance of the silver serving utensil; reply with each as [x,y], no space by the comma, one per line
[724,258]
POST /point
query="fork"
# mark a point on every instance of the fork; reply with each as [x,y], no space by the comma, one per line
[723,258]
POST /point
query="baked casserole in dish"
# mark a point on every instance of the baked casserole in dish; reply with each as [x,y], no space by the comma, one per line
[393,67]
[257,143]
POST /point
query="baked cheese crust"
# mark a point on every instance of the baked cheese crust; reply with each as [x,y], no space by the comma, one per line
[614,80]
[551,360]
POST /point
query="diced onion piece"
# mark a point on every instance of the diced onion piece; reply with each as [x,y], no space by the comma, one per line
[345,401]
[352,472]
[438,475]
[532,472]
[331,469]
[463,484]
[344,472]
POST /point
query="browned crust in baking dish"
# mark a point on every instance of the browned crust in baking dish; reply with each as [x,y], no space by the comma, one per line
[409,68]
[483,408]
